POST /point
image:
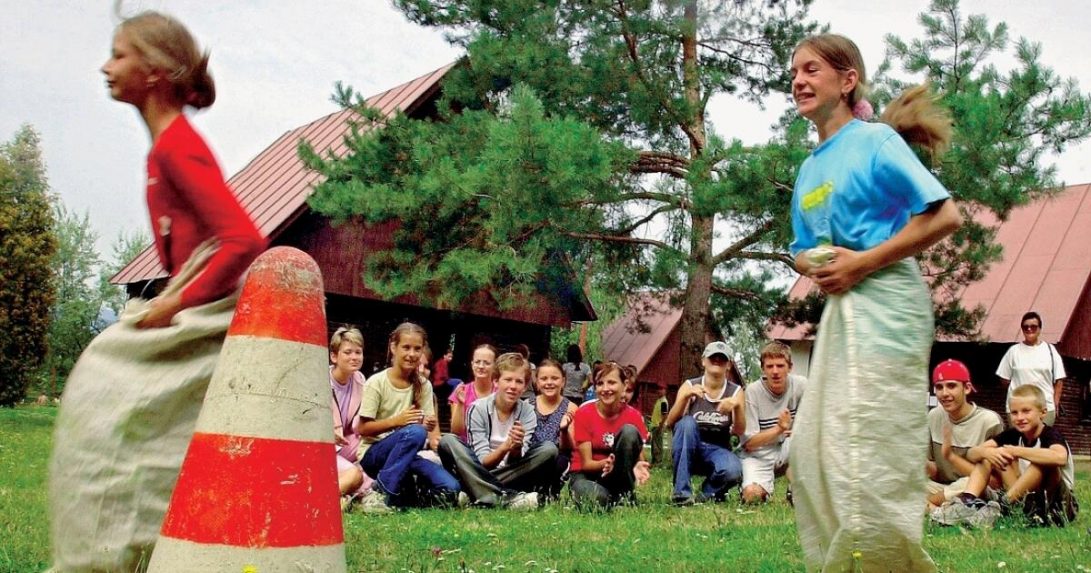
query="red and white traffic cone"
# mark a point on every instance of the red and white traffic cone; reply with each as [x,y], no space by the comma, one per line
[258,488]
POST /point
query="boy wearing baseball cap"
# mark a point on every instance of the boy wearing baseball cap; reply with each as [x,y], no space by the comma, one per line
[706,412]
[953,428]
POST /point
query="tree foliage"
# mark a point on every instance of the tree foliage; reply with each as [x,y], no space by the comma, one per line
[26,247]
[126,246]
[74,273]
[577,131]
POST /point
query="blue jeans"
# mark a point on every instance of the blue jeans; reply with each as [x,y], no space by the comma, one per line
[394,458]
[694,457]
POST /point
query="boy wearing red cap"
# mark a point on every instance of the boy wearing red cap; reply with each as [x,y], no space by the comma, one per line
[953,428]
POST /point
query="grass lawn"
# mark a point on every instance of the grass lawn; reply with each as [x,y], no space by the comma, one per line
[651,537]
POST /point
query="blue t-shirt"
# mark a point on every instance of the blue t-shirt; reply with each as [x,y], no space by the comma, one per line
[859,188]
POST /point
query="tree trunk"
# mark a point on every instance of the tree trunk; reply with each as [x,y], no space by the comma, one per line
[695,307]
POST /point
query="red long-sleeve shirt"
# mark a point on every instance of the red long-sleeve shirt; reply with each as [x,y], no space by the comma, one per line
[189,202]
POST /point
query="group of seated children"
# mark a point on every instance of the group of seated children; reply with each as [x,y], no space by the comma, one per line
[507,451]
[978,470]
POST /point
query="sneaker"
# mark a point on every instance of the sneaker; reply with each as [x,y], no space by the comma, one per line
[954,512]
[682,500]
[523,501]
[985,516]
[463,499]
[375,502]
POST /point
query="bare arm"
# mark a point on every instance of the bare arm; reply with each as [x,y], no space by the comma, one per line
[589,465]
[1055,455]
[371,427]
[849,267]
[685,393]
[769,435]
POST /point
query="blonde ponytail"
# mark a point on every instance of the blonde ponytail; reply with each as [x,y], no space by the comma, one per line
[917,116]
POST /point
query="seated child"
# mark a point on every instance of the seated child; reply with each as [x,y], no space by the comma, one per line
[554,413]
[954,427]
[397,421]
[347,385]
[609,435]
[499,467]
[706,412]
[1033,462]
[771,405]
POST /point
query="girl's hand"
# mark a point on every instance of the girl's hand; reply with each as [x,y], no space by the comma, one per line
[338,439]
[161,310]
[566,420]
[608,465]
[430,423]
[728,405]
[845,271]
[642,472]
[410,416]
[460,393]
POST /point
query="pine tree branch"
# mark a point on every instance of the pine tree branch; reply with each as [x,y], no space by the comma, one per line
[733,292]
[631,50]
[736,248]
[620,239]
[764,256]
[661,162]
[667,198]
[636,224]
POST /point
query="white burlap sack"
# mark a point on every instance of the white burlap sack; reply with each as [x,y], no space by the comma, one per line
[126,418]
[859,442]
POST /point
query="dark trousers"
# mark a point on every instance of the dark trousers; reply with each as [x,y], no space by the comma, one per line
[598,491]
[532,472]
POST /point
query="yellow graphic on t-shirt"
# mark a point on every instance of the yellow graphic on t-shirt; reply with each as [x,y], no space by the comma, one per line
[817,196]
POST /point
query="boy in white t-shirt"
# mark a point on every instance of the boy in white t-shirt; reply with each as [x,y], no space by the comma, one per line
[1032,460]
[771,405]
[1035,362]
[953,428]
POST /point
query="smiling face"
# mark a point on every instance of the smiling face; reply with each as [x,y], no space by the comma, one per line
[818,88]
[951,395]
[482,363]
[128,76]
[407,350]
[610,388]
[550,381]
[1026,415]
[348,358]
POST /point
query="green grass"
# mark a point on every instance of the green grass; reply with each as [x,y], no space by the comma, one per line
[651,537]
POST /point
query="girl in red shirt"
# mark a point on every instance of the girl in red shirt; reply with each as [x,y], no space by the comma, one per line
[132,400]
[608,463]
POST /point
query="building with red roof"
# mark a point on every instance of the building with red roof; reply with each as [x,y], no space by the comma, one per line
[274,188]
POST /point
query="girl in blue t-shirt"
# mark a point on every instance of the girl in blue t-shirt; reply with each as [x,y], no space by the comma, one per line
[863,206]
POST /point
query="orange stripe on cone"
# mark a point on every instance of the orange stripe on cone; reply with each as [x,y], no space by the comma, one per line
[255,493]
[258,487]
[276,288]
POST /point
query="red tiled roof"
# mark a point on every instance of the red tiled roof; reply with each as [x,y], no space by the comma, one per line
[274,186]
[1046,265]
[637,336]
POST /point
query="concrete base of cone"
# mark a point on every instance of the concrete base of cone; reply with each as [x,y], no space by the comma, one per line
[179,556]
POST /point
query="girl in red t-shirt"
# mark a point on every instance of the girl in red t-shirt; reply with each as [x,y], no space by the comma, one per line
[132,400]
[610,436]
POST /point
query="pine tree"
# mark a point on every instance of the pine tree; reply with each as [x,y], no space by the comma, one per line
[574,136]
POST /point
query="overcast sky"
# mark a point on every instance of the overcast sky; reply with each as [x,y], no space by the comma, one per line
[275,63]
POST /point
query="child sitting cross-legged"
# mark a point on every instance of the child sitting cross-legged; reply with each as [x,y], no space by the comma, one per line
[499,467]
[1031,460]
